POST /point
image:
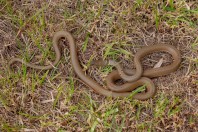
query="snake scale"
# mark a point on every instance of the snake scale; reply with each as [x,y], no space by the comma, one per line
[134,78]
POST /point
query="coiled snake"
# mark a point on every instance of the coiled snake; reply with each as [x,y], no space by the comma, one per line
[134,78]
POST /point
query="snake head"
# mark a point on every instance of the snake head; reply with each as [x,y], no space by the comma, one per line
[99,62]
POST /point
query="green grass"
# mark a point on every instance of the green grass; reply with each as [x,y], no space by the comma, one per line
[42,100]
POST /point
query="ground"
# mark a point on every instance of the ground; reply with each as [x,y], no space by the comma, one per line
[56,100]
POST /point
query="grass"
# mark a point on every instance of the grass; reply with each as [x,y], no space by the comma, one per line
[55,100]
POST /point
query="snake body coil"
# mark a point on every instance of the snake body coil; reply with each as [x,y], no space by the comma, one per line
[126,91]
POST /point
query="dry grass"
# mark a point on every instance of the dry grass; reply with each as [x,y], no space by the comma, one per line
[33,100]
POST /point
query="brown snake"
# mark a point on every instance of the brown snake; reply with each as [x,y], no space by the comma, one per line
[114,90]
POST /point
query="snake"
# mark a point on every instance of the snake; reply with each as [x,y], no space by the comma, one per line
[137,75]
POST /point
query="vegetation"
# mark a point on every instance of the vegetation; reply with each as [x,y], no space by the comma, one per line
[55,100]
